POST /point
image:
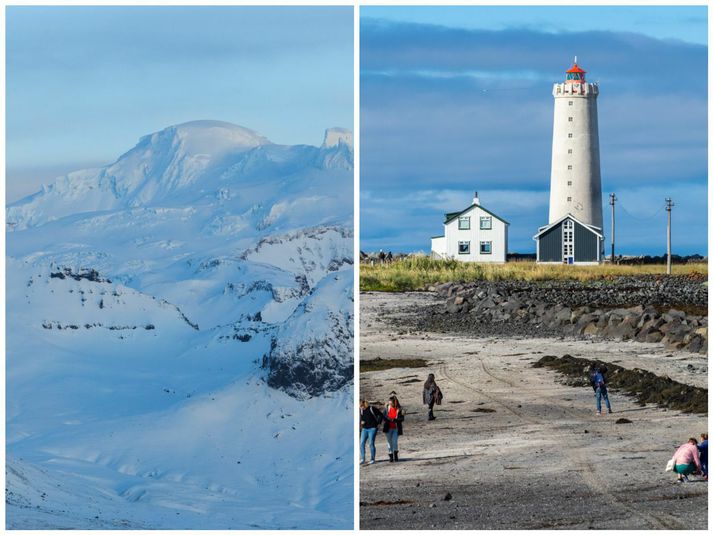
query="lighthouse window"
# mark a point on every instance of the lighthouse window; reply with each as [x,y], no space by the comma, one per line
[486,247]
[569,182]
[569,135]
[463,247]
[569,199]
[464,223]
[571,102]
[569,151]
[569,167]
[486,223]
[570,119]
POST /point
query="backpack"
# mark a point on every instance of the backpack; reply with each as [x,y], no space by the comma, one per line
[438,395]
[598,378]
[378,416]
[593,379]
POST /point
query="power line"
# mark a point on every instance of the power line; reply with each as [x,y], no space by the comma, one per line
[647,218]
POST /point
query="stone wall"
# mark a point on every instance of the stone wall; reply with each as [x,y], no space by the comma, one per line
[667,310]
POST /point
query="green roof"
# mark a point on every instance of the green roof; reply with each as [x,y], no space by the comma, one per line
[450,216]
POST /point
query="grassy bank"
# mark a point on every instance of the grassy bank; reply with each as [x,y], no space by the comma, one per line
[415,273]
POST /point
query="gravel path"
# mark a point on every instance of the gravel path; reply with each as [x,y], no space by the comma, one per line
[511,447]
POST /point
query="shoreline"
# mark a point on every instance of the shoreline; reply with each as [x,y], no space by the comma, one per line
[510,443]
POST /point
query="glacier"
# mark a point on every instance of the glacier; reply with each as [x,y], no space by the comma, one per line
[180,331]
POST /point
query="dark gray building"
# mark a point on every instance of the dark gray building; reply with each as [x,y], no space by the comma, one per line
[569,241]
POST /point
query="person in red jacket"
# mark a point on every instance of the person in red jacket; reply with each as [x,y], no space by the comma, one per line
[393,416]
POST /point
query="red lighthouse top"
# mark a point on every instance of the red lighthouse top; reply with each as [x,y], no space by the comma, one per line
[575,75]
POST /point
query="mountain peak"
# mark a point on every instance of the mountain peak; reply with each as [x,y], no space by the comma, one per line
[210,137]
[334,136]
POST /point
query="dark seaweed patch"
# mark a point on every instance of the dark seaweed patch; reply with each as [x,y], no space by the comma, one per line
[647,387]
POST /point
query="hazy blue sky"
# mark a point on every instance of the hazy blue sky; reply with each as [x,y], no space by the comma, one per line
[84,83]
[456,99]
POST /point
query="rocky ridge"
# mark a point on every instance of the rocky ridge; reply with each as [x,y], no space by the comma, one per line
[669,310]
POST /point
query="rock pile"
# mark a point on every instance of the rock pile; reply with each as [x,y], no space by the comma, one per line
[645,309]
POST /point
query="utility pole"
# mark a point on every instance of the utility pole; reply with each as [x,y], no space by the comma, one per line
[612,200]
[669,205]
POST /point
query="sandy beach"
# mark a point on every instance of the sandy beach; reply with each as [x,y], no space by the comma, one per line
[512,447]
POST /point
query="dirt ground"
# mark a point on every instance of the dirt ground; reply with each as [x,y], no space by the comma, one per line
[513,448]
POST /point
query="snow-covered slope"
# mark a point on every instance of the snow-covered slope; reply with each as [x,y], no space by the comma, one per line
[179,325]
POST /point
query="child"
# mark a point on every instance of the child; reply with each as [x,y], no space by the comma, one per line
[703,451]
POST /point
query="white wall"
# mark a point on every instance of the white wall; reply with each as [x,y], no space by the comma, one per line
[438,246]
[497,235]
[586,188]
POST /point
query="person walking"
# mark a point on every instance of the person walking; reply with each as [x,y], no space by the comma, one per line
[432,395]
[598,380]
[703,454]
[686,460]
[393,418]
[369,423]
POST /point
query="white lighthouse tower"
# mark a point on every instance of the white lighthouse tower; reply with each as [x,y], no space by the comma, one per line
[575,183]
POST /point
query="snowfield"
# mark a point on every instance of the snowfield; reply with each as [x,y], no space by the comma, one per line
[180,338]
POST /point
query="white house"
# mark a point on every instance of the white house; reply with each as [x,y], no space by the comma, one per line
[472,235]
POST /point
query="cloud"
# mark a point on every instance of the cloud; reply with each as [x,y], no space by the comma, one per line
[392,46]
[108,37]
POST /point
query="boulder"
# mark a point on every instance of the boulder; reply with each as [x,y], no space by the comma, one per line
[695,344]
[562,317]
[653,337]
[623,330]
[591,329]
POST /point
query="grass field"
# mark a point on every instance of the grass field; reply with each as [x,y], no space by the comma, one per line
[417,272]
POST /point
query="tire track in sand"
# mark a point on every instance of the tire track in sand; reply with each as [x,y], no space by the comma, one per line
[588,474]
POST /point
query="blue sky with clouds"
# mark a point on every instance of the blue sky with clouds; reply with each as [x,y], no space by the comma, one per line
[456,99]
[84,83]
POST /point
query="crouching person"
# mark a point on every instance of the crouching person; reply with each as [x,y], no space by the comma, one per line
[686,461]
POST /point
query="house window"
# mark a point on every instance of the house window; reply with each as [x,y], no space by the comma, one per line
[571,102]
[569,151]
[486,223]
[570,119]
[464,223]
[569,135]
[463,247]
[569,167]
[486,247]
[569,182]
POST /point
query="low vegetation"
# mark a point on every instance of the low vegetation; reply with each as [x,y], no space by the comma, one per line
[378,364]
[418,272]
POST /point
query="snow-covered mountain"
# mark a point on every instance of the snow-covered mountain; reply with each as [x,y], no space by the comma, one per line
[180,322]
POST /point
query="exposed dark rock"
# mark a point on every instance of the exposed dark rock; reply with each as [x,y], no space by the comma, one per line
[652,309]
[84,273]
